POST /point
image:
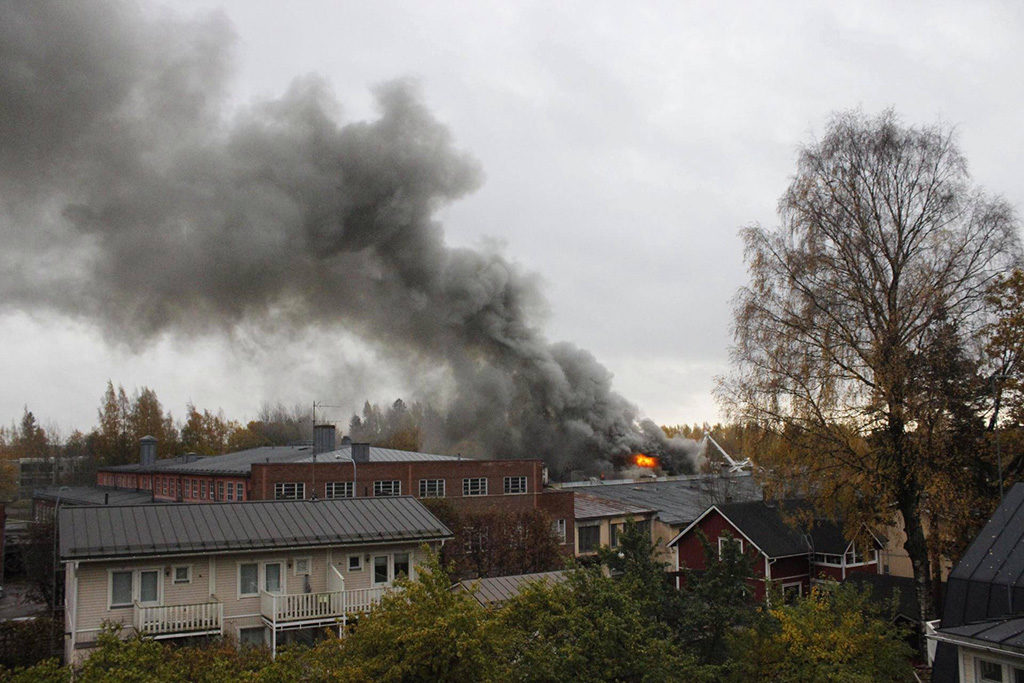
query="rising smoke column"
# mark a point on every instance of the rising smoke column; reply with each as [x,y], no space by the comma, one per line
[130,197]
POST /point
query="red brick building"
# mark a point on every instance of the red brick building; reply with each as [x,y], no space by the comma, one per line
[782,553]
[351,470]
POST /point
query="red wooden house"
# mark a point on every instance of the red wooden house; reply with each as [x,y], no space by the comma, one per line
[783,552]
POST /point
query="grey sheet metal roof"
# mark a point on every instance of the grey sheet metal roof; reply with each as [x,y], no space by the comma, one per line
[92,495]
[498,589]
[592,507]
[678,501]
[1004,634]
[109,531]
[241,462]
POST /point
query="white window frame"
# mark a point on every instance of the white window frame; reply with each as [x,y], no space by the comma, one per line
[790,584]
[978,661]
[282,589]
[358,557]
[561,529]
[432,488]
[411,561]
[347,488]
[136,574]
[309,566]
[297,490]
[188,574]
[263,635]
[393,487]
[732,540]
[373,571]
[238,579]
[522,485]
[474,486]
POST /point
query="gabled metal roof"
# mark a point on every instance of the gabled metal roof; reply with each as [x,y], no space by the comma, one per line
[678,501]
[111,531]
[241,462]
[498,589]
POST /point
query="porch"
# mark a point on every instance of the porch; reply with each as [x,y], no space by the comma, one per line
[301,610]
[179,621]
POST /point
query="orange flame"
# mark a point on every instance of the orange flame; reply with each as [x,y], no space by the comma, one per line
[642,460]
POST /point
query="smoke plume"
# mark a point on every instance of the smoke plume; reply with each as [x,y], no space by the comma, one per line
[135,197]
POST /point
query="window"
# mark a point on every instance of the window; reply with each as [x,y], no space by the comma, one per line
[183,574]
[248,579]
[120,589]
[289,491]
[251,637]
[723,540]
[272,577]
[220,490]
[129,585]
[195,488]
[558,526]
[302,565]
[149,587]
[515,485]
[380,569]
[589,537]
[616,532]
[355,563]
[391,487]
[791,591]
[239,491]
[431,488]
[474,486]
[401,564]
[202,489]
[824,558]
[339,489]
[989,672]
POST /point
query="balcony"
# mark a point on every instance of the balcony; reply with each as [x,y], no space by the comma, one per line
[297,610]
[180,621]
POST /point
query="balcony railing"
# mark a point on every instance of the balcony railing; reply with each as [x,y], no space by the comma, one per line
[175,621]
[317,607]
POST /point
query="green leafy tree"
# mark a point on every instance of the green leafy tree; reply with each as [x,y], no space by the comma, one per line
[422,632]
[835,634]
[716,601]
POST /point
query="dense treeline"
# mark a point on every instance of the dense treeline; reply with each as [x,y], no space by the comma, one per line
[627,623]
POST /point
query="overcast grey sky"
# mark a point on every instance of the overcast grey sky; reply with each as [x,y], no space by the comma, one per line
[622,146]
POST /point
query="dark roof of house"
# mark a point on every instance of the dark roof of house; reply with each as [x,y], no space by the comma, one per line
[587,506]
[679,501]
[1004,634]
[92,495]
[241,462]
[769,525]
[109,531]
[763,524]
[988,581]
[496,590]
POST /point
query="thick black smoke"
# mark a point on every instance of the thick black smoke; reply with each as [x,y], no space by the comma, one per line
[130,197]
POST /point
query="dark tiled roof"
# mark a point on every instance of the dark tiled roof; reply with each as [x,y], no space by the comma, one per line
[679,501]
[592,507]
[241,462]
[92,495]
[763,524]
[498,589]
[162,529]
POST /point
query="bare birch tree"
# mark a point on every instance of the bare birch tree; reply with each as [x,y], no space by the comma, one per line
[884,253]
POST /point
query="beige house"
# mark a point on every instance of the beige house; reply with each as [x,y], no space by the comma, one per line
[600,522]
[266,572]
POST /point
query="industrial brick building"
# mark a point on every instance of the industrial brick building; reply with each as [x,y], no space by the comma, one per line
[327,471]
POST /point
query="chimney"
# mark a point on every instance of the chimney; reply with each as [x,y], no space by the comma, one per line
[361,452]
[147,451]
[323,438]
